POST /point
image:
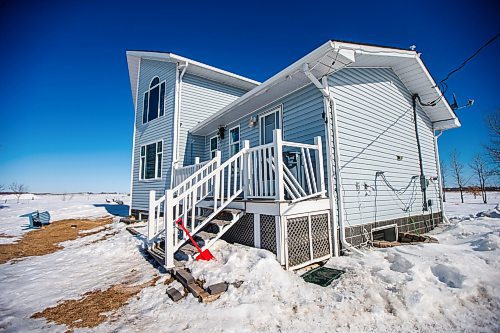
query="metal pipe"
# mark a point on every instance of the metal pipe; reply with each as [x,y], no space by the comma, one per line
[423,181]
[332,137]
[440,176]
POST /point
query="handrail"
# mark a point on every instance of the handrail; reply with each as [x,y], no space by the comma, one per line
[185,204]
[299,145]
[194,175]
[207,177]
[187,171]
[258,172]
[267,145]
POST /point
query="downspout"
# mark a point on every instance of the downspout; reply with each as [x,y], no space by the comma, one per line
[177,119]
[332,130]
[440,176]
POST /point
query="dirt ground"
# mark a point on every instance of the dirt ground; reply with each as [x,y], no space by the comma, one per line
[46,240]
[94,307]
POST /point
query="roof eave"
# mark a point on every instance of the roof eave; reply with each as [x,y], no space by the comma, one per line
[207,71]
[263,87]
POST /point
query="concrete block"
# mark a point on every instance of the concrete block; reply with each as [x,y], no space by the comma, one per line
[174,294]
[217,288]
[184,277]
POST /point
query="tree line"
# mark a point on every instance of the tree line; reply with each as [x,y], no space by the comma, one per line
[484,167]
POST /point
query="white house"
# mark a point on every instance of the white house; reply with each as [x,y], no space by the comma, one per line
[335,150]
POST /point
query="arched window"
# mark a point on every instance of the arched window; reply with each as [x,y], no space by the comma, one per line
[154,100]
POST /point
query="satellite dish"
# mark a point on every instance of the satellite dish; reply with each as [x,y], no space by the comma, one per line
[454,106]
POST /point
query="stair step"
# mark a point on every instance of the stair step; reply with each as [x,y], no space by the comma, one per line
[220,223]
[189,249]
[232,210]
[206,236]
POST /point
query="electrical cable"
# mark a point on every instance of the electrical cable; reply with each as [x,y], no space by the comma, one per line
[470,58]
[443,85]
[398,192]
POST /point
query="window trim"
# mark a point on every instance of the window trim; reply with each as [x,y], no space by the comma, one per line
[277,109]
[156,178]
[210,145]
[233,143]
[148,92]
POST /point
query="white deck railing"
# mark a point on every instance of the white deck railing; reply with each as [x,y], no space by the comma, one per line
[254,173]
[302,177]
[183,172]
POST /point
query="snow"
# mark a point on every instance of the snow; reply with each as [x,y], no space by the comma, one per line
[63,206]
[451,286]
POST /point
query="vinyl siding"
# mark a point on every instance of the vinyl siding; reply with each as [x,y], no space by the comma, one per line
[302,121]
[155,130]
[200,98]
[375,124]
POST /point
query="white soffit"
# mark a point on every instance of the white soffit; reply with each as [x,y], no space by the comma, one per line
[412,72]
[288,80]
[327,59]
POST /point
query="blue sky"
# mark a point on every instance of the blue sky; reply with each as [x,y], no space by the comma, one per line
[66,107]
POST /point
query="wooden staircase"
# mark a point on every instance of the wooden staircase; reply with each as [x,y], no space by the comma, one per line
[209,234]
[202,194]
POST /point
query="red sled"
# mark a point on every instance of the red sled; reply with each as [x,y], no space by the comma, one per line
[205,254]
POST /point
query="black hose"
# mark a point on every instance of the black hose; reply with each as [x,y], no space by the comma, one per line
[423,185]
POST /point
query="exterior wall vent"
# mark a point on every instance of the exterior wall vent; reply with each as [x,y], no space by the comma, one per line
[387,233]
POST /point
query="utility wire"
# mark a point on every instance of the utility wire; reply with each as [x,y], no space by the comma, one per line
[442,83]
[470,58]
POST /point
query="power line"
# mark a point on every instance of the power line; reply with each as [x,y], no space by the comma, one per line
[469,59]
[442,83]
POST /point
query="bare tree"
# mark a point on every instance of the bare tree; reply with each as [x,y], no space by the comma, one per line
[493,122]
[480,168]
[18,189]
[2,188]
[444,170]
[457,169]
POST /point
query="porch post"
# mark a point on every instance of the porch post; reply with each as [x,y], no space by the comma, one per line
[319,165]
[217,178]
[175,166]
[151,214]
[196,160]
[168,219]
[245,170]
[278,153]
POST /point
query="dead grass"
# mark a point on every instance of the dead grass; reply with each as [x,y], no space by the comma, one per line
[46,240]
[93,308]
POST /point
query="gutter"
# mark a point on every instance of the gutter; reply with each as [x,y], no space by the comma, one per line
[177,111]
[133,139]
[331,129]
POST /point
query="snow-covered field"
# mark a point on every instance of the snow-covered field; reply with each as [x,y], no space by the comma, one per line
[63,206]
[453,286]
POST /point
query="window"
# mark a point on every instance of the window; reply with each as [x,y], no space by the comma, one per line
[234,140]
[213,146]
[268,122]
[151,160]
[154,101]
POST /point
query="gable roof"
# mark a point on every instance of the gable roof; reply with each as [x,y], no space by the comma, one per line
[194,67]
[328,58]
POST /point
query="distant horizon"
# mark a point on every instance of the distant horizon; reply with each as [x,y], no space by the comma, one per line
[67,111]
